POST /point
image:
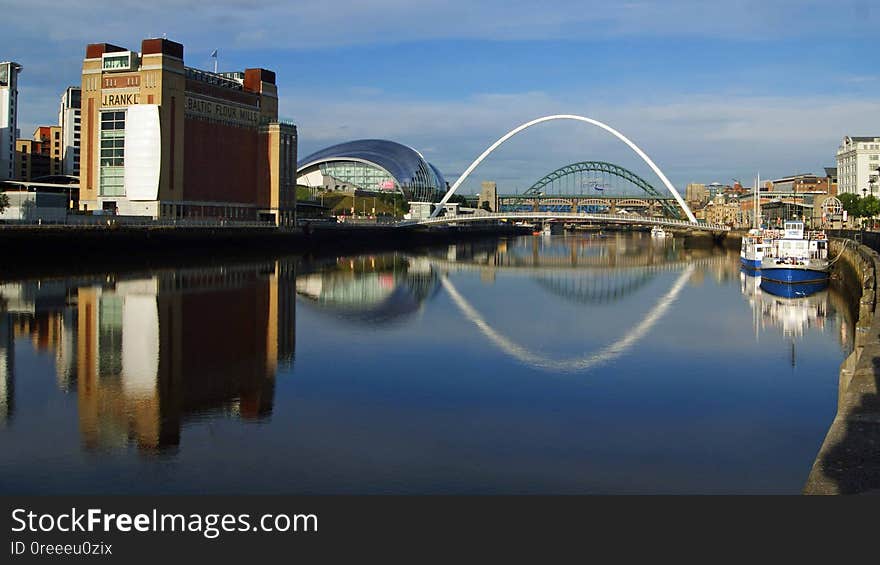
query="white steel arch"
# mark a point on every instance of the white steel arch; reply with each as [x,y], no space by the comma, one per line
[596,123]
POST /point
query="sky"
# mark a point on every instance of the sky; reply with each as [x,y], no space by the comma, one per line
[711,91]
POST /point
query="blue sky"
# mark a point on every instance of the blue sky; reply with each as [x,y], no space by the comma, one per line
[711,91]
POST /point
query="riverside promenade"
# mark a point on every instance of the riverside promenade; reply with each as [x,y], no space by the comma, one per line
[849,460]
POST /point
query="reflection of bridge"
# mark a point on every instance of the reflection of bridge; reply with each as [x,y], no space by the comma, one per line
[595,289]
[546,265]
[588,283]
[607,353]
[619,219]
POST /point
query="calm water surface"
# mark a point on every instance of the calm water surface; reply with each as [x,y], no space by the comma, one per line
[564,364]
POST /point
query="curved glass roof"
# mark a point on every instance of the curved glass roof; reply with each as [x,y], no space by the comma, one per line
[415,176]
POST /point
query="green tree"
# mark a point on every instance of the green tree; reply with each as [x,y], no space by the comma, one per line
[851,203]
[4,202]
[870,206]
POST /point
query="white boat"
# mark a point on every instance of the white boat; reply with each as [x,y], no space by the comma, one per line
[751,252]
[790,257]
[659,233]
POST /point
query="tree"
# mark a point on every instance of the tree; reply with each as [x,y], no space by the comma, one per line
[870,207]
[851,203]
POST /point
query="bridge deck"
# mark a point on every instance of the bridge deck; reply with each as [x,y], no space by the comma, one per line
[571,217]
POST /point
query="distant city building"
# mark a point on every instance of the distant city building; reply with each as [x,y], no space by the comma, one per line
[696,195]
[831,176]
[858,160]
[714,189]
[800,183]
[8,117]
[722,211]
[489,195]
[69,120]
[373,165]
[40,156]
[163,140]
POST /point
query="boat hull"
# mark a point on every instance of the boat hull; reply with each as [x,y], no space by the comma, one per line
[753,264]
[790,275]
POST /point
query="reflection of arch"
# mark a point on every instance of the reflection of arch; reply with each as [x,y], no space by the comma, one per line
[604,355]
[594,290]
[596,123]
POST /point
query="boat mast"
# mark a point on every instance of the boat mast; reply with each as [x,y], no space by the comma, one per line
[755,206]
[758,201]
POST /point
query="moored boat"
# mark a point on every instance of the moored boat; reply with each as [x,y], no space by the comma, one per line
[659,233]
[795,258]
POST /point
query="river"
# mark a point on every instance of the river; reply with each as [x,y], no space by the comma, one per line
[578,363]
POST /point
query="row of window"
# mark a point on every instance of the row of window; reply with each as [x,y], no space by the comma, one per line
[112,175]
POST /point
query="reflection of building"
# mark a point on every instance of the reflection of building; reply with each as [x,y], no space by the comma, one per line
[156,351]
[373,165]
[374,290]
[146,354]
[164,140]
[7,369]
[8,117]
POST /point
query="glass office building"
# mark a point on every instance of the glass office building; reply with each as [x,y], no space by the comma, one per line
[373,165]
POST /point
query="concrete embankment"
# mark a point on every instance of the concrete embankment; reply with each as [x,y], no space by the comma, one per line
[849,459]
[63,249]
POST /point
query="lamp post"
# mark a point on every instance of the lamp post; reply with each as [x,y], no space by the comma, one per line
[871,182]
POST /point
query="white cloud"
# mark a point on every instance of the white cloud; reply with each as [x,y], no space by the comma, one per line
[310,23]
[697,138]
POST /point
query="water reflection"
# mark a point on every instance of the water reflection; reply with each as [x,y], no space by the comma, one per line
[145,353]
[794,316]
[374,289]
[419,372]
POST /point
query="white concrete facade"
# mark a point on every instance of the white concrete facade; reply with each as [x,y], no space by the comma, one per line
[8,117]
[69,120]
[858,160]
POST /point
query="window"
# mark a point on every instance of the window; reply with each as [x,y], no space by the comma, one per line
[112,158]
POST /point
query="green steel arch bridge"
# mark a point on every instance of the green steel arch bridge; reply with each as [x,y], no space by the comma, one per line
[592,186]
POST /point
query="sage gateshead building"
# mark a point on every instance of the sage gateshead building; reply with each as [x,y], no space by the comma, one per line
[372,165]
